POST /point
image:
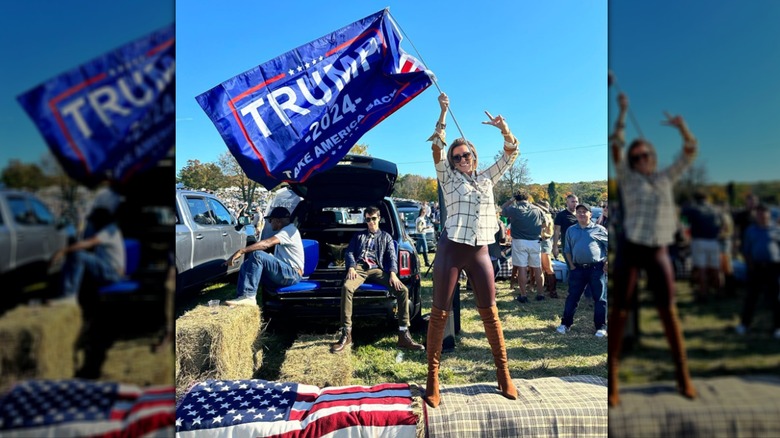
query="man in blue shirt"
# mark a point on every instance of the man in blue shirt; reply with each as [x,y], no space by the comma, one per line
[371,256]
[585,250]
[761,247]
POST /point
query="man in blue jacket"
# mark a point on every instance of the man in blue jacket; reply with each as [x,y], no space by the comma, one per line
[371,256]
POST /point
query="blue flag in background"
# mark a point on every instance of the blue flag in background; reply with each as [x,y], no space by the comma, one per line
[301,112]
[112,117]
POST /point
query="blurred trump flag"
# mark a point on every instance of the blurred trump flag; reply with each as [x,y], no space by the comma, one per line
[302,111]
[114,116]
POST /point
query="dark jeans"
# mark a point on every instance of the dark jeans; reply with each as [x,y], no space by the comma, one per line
[421,245]
[259,267]
[762,278]
[80,264]
[579,278]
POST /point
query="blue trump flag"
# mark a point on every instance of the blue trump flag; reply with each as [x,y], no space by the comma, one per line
[114,116]
[301,112]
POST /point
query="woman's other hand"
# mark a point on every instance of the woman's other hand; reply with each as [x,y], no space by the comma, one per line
[497,121]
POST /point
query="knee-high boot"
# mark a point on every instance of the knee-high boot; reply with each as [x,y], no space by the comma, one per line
[497,346]
[436,323]
[617,324]
[674,336]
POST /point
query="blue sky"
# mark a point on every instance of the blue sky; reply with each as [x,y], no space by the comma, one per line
[715,63]
[41,39]
[542,66]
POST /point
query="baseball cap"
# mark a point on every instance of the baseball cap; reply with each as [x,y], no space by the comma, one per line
[585,206]
[278,213]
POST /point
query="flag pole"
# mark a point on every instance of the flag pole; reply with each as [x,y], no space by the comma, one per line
[613,80]
[433,77]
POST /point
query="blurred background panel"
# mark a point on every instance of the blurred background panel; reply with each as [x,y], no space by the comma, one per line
[716,65]
[87,122]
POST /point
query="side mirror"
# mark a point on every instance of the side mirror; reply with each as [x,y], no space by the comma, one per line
[244,220]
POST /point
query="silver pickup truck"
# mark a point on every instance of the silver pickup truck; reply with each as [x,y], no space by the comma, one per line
[29,236]
[206,235]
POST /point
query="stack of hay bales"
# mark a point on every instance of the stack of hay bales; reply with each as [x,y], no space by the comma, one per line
[37,342]
[310,361]
[217,343]
[134,362]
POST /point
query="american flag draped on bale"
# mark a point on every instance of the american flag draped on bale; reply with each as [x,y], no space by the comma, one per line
[302,111]
[259,408]
[81,408]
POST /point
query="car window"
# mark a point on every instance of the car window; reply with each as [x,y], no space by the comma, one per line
[22,215]
[42,214]
[199,209]
[223,215]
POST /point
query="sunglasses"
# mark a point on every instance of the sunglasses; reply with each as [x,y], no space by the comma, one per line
[372,219]
[466,156]
[638,157]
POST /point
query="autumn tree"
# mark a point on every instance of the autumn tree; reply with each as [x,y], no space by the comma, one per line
[235,177]
[19,175]
[68,187]
[512,180]
[359,149]
[197,175]
[416,187]
[553,196]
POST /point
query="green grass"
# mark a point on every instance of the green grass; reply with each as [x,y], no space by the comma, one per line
[712,346]
[534,348]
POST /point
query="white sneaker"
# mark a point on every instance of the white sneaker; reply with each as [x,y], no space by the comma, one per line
[740,330]
[600,333]
[246,301]
[777,333]
[562,329]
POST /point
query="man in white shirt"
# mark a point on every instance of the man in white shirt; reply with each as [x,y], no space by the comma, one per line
[100,257]
[284,268]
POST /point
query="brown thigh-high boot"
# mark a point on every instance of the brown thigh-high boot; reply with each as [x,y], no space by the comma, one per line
[668,315]
[617,323]
[495,337]
[436,323]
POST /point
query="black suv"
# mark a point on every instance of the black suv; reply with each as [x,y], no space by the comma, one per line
[356,182]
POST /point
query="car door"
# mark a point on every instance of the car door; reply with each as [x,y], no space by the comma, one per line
[232,240]
[28,246]
[207,240]
[50,237]
[6,244]
[184,247]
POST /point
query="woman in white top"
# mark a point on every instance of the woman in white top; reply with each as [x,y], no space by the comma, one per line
[470,226]
[649,222]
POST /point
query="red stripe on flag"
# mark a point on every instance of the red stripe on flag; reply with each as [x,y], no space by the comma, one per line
[368,389]
[341,420]
[296,415]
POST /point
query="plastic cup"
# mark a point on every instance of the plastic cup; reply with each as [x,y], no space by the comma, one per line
[213,303]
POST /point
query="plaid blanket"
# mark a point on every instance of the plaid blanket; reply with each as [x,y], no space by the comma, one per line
[574,406]
[727,407]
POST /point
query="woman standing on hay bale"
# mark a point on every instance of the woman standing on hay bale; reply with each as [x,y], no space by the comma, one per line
[469,228]
[649,224]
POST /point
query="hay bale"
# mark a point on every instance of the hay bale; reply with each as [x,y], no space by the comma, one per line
[310,361]
[38,342]
[216,343]
[134,362]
